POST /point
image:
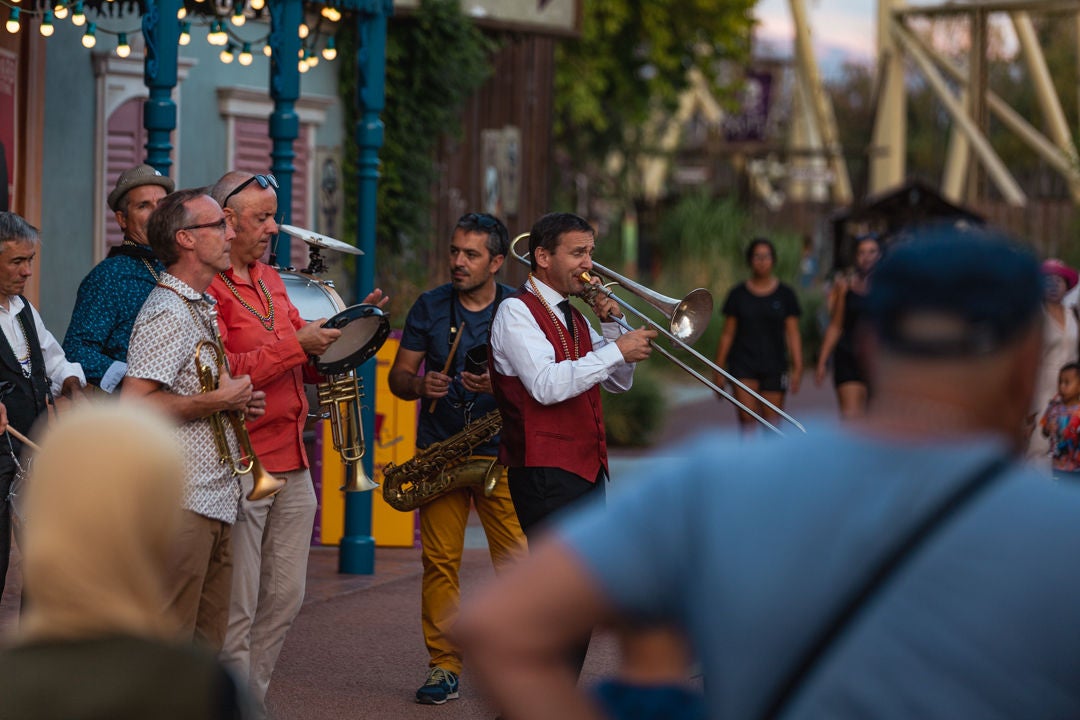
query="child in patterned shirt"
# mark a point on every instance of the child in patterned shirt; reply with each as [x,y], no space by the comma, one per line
[1061,423]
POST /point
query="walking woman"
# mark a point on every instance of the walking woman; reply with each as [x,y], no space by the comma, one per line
[846,301]
[760,335]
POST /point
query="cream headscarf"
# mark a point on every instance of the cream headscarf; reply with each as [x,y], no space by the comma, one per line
[102,505]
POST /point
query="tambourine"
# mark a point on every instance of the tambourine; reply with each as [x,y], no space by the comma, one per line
[364,328]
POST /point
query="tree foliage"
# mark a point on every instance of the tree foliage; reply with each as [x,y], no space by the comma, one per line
[630,65]
[435,58]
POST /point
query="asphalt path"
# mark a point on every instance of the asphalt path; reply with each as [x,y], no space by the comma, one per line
[356,650]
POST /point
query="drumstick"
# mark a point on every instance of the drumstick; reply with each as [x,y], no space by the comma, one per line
[449,362]
[23,439]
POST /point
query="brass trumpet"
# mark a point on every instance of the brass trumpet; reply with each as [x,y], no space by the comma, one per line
[222,422]
[341,394]
[687,320]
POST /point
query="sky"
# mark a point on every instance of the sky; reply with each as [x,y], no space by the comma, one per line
[841,29]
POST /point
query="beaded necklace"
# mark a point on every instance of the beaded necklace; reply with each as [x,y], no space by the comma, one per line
[558,323]
[267,321]
[25,365]
[150,268]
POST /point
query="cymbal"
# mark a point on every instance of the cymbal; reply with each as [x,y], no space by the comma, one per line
[319,240]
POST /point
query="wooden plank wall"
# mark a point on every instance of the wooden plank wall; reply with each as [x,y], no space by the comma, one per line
[519,93]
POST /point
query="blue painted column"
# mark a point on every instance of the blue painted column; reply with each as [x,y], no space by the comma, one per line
[358,547]
[285,19]
[161,30]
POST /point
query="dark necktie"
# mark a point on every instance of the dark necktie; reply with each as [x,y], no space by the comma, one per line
[569,315]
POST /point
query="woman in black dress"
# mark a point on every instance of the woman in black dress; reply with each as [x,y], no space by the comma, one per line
[846,301]
[761,332]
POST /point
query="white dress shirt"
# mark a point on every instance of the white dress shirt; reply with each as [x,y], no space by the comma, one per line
[57,367]
[520,349]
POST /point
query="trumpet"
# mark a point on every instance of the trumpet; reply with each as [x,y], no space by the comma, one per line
[226,421]
[342,395]
[687,320]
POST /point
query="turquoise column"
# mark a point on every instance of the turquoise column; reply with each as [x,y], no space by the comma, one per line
[284,40]
[161,30]
[357,546]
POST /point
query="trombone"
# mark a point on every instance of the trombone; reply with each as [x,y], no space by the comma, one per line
[687,320]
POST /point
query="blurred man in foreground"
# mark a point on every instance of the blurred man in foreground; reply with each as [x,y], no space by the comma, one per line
[902,566]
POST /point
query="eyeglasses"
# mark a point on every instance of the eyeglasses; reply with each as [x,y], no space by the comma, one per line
[265,181]
[220,225]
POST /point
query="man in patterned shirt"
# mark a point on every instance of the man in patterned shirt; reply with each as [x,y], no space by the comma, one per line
[111,295]
[190,236]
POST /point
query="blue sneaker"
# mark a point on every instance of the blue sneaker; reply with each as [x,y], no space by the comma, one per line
[441,685]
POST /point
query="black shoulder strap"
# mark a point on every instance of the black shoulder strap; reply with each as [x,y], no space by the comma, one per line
[875,580]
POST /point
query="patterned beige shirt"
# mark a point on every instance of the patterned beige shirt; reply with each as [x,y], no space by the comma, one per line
[173,320]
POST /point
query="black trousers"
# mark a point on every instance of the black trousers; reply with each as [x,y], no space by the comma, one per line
[539,495]
[7,475]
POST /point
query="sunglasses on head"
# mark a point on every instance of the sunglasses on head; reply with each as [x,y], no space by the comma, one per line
[265,181]
[485,221]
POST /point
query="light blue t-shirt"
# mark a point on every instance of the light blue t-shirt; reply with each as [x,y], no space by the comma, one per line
[749,547]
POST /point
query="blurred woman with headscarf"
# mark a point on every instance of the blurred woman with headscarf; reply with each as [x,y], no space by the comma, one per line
[102,504]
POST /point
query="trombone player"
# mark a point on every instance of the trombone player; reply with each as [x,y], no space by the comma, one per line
[548,365]
[190,236]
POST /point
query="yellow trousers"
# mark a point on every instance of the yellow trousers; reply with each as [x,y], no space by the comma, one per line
[442,535]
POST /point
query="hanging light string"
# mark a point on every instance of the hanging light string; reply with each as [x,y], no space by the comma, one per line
[221,28]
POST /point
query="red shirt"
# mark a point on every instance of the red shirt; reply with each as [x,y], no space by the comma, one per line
[272,357]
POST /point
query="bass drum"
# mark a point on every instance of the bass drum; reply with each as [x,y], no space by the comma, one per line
[314,299]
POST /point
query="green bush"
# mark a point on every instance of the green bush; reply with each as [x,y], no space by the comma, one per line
[633,418]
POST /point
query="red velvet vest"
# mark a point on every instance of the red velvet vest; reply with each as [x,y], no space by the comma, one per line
[568,435]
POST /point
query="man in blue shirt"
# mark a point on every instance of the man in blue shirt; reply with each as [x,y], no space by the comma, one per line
[112,294]
[445,327]
[903,566]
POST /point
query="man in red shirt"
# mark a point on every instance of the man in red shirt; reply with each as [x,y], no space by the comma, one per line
[265,338]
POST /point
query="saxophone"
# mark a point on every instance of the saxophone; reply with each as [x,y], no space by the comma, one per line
[444,466]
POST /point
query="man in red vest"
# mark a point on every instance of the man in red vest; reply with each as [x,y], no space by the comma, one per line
[548,365]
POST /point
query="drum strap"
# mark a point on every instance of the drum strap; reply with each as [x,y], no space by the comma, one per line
[454,305]
[875,582]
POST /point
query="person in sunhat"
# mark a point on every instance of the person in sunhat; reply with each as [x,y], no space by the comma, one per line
[1061,335]
[111,296]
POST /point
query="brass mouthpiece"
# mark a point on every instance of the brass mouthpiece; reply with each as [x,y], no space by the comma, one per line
[585,277]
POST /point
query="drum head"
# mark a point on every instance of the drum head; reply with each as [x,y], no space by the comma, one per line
[364,329]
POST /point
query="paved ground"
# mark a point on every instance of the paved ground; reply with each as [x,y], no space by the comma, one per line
[356,650]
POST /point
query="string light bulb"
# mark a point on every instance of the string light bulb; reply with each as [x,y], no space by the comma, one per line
[303,66]
[267,50]
[181,13]
[217,34]
[47,28]
[89,38]
[226,55]
[258,4]
[238,18]
[185,33]
[330,51]
[122,47]
[312,59]
[303,30]
[78,19]
[60,11]
[331,13]
[12,23]
[245,55]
